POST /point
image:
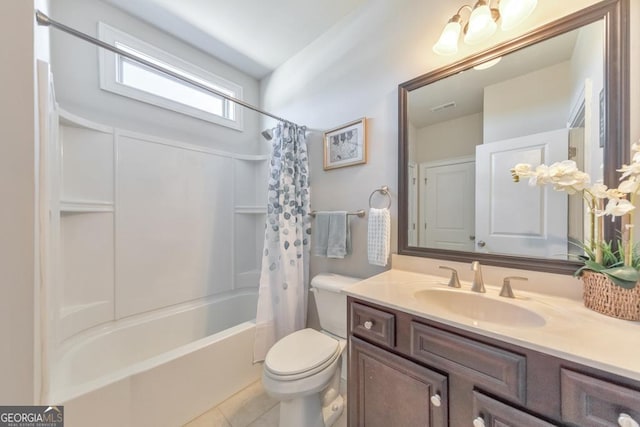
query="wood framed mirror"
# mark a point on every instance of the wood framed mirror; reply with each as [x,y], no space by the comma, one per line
[572,72]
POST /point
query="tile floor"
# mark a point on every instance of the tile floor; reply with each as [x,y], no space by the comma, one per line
[251,407]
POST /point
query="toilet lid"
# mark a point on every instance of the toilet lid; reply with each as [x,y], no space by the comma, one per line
[300,352]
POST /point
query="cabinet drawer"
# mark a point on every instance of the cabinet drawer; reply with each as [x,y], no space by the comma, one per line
[497,414]
[496,370]
[588,401]
[373,324]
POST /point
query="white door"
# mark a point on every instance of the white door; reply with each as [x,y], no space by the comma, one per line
[447,205]
[412,185]
[515,218]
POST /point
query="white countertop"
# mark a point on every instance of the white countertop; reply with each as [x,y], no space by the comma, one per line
[570,330]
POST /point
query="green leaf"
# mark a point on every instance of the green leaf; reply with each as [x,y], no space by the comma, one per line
[592,265]
[626,277]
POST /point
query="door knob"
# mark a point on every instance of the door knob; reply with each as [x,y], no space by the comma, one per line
[481,243]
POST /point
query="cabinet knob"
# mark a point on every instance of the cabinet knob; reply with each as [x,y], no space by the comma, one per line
[478,422]
[625,420]
[368,324]
[482,243]
[436,400]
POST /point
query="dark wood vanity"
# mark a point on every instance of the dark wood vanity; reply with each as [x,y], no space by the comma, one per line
[406,370]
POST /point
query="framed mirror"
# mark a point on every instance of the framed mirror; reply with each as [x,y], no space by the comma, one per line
[559,92]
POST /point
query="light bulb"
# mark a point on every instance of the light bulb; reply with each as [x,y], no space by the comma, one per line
[481,24]
[513,12]
[448,42]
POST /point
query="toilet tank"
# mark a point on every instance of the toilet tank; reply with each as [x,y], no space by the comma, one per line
[330,302]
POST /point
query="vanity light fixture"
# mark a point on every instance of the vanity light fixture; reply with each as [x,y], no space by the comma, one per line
[488,64]
[482,23]
[513,12]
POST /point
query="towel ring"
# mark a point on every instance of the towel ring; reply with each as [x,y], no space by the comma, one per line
[384,190]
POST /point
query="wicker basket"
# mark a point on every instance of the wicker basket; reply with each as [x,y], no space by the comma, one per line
[604,296]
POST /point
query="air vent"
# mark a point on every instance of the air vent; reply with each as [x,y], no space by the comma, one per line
[450,104]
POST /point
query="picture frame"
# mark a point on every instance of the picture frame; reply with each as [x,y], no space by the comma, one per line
[346,145]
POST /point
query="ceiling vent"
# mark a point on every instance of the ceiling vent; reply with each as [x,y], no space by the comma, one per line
[450,104]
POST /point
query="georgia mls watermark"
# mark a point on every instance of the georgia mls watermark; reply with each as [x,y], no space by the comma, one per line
[31,416]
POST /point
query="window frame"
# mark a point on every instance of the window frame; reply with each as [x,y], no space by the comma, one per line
[110,62]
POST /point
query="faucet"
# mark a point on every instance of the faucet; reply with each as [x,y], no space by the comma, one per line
[506,290]
[477,285]
[454,282]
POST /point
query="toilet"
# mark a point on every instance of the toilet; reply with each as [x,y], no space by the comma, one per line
[303,369]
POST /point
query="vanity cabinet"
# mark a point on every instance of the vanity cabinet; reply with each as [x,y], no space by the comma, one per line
[493,413]
[393,391]
[406,370]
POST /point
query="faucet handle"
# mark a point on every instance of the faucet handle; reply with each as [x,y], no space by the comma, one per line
[454,282]
[506,290]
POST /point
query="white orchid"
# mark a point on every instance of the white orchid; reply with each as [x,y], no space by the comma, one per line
[565,176]
[617,207]
[599,191]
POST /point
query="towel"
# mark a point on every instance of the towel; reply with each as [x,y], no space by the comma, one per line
[332,237]
[379,236]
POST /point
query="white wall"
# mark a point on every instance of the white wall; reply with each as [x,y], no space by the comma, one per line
[19,353]
[76,77]
[353,71]
[454,138]
[586,64]
[522,106]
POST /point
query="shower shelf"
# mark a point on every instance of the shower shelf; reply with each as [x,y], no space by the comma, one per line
[85,206]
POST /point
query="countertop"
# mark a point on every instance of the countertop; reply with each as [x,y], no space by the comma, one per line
[570,330]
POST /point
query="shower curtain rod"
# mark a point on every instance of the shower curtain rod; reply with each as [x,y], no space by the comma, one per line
[43,19]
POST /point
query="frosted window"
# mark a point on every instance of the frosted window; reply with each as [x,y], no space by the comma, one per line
[127,77]
[138,76]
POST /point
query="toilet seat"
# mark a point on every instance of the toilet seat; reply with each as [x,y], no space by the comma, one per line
[301,354]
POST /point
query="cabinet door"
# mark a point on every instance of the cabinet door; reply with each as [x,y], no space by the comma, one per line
[490,412]
[388,390]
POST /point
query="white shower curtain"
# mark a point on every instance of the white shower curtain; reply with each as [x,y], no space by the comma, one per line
[282,301]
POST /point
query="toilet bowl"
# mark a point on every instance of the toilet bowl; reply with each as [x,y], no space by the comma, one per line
[303,369]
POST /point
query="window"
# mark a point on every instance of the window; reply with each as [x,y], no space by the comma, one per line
[129,78]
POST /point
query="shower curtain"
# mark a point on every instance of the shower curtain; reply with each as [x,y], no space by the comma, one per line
[282,300]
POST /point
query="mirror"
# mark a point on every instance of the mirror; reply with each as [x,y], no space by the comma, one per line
[557,93]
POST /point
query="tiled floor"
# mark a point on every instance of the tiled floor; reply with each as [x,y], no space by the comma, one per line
[251,407]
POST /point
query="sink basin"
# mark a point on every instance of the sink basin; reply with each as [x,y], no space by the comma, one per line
[480,308]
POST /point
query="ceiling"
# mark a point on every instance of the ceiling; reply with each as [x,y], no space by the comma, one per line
[255,36]
[466,89]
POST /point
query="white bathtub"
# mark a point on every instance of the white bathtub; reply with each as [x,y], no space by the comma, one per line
[158,369]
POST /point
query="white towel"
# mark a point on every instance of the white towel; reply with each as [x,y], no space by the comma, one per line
[379,236]
[331,235]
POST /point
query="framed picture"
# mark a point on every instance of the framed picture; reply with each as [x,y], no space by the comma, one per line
[346,145]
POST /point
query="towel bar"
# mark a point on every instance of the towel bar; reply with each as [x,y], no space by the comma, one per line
[359,214]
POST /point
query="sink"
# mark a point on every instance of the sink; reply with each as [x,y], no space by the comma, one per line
[480,308]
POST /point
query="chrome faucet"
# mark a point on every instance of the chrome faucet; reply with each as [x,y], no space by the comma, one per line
[478,284]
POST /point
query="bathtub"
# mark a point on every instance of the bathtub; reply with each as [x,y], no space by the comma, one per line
[161,368]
